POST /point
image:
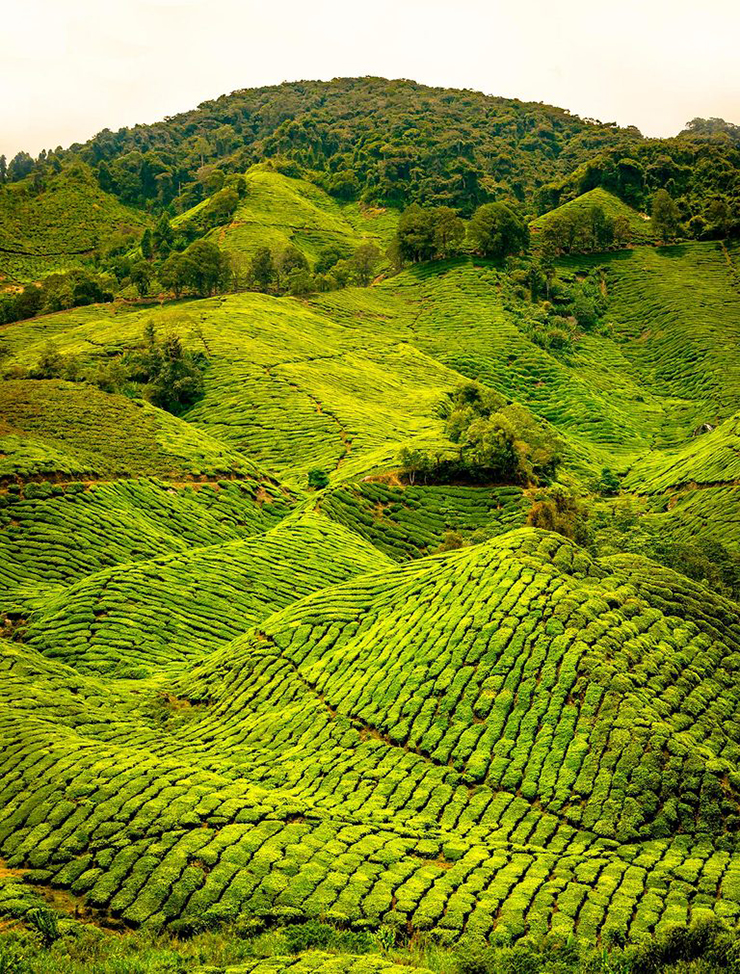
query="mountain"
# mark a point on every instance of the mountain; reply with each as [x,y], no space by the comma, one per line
[371,603]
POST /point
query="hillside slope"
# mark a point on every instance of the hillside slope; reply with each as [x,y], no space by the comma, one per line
[277,211]
[502,739]
[413,626]
[56,227]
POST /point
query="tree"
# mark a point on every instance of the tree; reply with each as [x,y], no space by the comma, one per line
[363,263]
[299,281]
[207,267]
[449,231]
[147,244]
[202,148]
[141,277]
[176,273]
[262,270]
[3,170]
[226,139]
[20,166]
[163,236]
[415,234]
[328,257]
[665,216]
[622,231]
[175,375]
[318,478]
[290,262]
[495,230]
[601,227]
[608,484]
[556,509]
[719,217]
[415,463]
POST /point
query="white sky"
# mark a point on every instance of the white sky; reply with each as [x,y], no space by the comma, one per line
[71,67]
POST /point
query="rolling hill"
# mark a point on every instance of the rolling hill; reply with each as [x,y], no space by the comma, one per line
[277,211]
[58,225]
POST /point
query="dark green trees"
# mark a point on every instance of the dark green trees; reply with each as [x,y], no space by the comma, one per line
[665,216]
[201,270]
[495,230]
[428,232]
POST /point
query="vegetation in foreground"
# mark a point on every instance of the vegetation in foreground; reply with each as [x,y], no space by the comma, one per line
[47,943]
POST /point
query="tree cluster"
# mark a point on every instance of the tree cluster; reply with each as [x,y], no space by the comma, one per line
[288,271]
[160,370]
[494,441]
[583,230]
[495,230]
[699,170]
[57,292]
[554,308]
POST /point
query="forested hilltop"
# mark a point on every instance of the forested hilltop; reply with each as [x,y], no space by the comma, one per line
[369,542]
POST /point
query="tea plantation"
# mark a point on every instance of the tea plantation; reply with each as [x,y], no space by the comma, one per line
[272,699]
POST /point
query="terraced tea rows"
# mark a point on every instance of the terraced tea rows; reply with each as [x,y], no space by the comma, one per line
[639,226]
[56,534]
[500,739]
[278,211]
[226,695]
[409,521]
[58,228]
[54,430]
[179,606]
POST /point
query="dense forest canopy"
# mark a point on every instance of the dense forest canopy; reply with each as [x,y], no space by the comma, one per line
[389,142]
[395,142]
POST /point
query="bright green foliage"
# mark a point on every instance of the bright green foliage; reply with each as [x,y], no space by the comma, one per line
[60,226]
[54,535]
[411,521]
[65,430]
[570,227]
[492,766]
[180,606]
[259,685]
[495,230]
[277,210]
[665,216]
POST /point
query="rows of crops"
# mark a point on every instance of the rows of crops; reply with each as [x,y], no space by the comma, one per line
[54,428]
[410,521]
[278,212]
[56,534]
[134,617]
[48,231]
[431,744]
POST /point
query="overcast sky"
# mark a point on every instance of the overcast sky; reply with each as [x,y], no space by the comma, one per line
[71,67]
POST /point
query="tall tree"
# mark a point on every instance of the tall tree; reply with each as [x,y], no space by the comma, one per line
[415,235]
[495,230]
[449,231]
[163,236]
[363,263]
[665,216]
[262,269]
[20,166]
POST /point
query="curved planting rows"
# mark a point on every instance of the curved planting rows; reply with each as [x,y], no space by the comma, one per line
[179,606]
[56,534]
[50,427]
[411,521]
[508,738]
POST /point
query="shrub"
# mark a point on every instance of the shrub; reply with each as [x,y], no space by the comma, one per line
[556,509]
[318,478]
